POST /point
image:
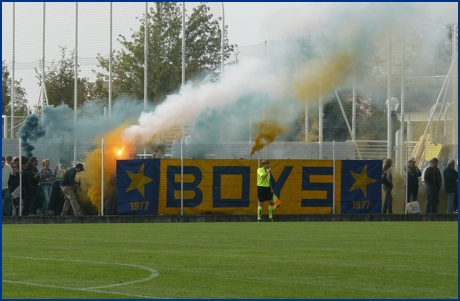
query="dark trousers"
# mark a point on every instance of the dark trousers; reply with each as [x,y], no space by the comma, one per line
[30,197]
[432,199]
[387,204]
[456,201]
[56,199]
[412,191]
[6,202]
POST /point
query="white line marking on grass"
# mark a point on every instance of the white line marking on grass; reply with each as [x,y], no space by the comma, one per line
[80,289]
[153,274]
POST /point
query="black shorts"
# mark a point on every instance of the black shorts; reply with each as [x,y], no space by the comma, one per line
[264,193]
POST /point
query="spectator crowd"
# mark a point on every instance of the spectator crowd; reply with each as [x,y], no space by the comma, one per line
[39,188]
[48,191]
[432,179]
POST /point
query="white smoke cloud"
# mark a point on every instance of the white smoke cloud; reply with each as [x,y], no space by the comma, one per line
[300,19]
[188,104]
[353,29]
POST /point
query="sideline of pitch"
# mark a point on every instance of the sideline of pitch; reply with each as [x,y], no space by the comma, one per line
[223,218]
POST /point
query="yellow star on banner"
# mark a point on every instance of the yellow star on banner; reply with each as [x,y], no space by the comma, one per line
[138,180]
[361,180]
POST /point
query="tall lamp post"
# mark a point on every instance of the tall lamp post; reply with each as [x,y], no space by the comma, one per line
[75,105]
[12,71]
[222,41]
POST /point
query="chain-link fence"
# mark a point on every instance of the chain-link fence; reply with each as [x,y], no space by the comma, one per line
[93,30]
[100,163]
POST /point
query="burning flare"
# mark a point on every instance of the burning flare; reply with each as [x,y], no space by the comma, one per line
[113,150]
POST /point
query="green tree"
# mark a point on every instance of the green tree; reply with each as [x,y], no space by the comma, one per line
[60,82]
[202,54]
[20,101]
[371,121]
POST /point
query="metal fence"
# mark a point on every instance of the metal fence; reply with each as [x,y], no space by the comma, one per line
[93,30]
[100,162]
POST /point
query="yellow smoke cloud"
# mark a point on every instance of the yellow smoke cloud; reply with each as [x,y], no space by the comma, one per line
[267,131]
[114,149]
[321,76]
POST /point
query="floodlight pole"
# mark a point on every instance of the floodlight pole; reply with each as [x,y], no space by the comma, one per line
[222,42]
[333,177]
[75,105]
[183,45]
[146,50]
[353,113]
[181,177]
[43,98]
[5,126]
[455,89]
[320,124]
[102,177]
[402,159]
[21,203]
[389,125]
[12,72]
[110,62]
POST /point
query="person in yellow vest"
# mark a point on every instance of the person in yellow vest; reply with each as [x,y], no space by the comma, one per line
[264,190]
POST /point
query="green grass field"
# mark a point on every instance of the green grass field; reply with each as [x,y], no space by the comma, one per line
[231,260]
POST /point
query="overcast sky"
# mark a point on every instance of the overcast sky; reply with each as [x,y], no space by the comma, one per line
[244,19]
[249,23]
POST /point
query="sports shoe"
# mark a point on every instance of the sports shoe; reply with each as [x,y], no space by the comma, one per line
[271,219]
[258,220]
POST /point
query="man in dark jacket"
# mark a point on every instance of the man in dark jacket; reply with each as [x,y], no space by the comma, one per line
[433,183]
[30,185]
[68,185]
[451,184]
[412,174]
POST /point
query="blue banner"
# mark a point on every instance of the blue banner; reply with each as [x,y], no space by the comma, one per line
[361,186]
[221,186]
[138,186]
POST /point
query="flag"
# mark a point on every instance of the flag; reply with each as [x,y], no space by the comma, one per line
[361,190]
[276,200]
[138,183]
